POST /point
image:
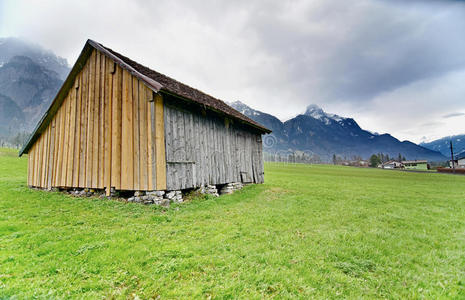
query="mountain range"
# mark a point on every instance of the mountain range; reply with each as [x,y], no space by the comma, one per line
[317,133]
[29,79]
[443,145]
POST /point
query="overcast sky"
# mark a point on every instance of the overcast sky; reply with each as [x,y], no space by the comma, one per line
[395,66]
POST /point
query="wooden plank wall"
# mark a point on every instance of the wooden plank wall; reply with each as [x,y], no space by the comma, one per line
[102,134]
[204,150]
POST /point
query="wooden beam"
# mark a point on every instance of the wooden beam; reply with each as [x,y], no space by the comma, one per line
[160,144]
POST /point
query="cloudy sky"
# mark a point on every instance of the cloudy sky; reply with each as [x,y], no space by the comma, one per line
[395,66]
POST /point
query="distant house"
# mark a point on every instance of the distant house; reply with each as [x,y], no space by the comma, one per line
[459,160]
[391,165]
[356,163]
[415,164]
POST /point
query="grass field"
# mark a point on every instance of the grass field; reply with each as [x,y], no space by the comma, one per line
[311,231]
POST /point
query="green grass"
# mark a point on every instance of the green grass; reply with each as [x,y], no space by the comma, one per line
[311,231]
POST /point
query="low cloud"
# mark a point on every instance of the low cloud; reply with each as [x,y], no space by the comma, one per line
[452,115]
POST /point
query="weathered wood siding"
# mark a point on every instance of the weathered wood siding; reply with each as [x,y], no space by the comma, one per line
[107,133]
[203,149]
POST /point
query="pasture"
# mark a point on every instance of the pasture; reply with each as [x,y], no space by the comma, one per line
[316,231]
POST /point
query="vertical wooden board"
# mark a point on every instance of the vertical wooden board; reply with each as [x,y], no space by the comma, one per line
[96,122]
[214,167]
[221,133]
[173,151]
[47,155]
[196,149]
[181,150]
[62,144]
[168,143]
[38,164]
[153,162]
[108,123]
[203,150]
[127,146]
[213,141]
[44,159]
[189,139]
[67,114]
[59,120]
[77,134]
[236,156]
[219,144]
[207,156]
[101,161]
[30,164]
[51,155]
[227,155]
[116,129]
[55,151]
[143,138]
[39,161]
[150,143]
[40,158]
[34,164]
[64,151]
[72,137]
[160,144]
[83,127]
[168,133]
[90,120]
[56,162]
[136,133]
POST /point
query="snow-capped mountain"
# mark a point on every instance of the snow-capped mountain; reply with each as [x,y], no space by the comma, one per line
[325,134]
[317,112]
[443,144]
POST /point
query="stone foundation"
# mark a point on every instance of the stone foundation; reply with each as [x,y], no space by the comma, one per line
[162,198]
[231,188]
[222,189]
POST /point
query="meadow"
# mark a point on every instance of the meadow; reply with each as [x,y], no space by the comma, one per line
[311,231]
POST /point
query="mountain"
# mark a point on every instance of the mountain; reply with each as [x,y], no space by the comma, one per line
[443,145]
[11,116]
[10,47]
[30,77]
[320,134]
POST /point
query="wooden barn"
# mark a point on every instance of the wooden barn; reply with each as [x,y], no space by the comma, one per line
[116,124]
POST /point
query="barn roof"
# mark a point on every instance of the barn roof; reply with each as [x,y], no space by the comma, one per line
[154,80]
